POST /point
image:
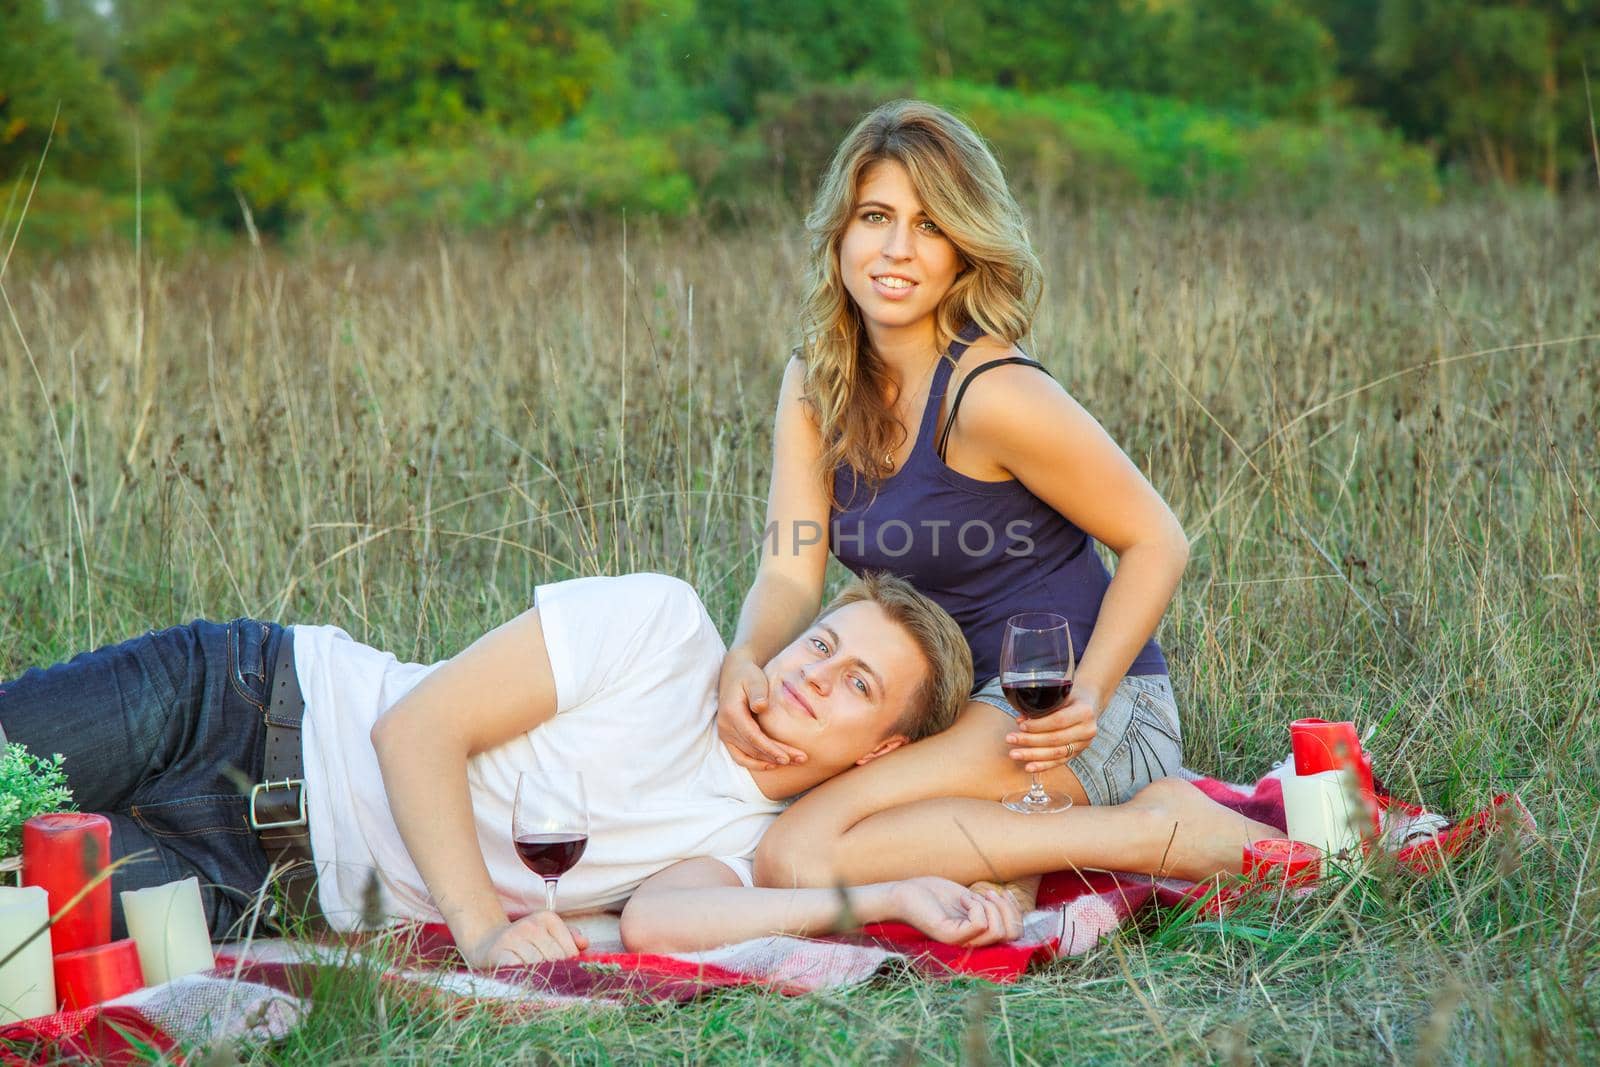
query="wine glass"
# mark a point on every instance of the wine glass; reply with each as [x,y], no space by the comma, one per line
[550,825]
[1036,666]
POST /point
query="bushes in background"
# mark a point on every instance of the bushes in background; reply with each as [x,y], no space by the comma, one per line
[1086,141]
[499,182]
[1080,142]
[65,217]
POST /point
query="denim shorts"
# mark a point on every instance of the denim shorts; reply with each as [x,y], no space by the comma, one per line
[1138,738]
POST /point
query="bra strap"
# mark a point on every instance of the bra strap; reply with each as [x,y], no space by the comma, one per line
[950,419]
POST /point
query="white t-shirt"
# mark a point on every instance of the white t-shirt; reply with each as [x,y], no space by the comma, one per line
[635,662]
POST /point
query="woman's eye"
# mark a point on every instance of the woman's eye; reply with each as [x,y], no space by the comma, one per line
[874,216]
[861,687]
[931,226]
[820,645]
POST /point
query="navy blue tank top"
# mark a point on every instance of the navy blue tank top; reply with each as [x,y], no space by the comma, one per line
[983,550]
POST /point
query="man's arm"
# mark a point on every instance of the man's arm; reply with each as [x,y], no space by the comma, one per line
[499,688]
[700,903]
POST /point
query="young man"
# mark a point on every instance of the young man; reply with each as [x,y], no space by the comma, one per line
[230,750]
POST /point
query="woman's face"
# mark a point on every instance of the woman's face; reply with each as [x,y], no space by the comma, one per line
[897,264]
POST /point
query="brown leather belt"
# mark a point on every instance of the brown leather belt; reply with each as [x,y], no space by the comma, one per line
[278,804]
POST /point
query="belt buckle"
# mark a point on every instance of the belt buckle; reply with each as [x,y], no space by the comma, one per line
[287,783]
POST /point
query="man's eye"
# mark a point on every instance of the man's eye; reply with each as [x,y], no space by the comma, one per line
[820,645]
[861,687]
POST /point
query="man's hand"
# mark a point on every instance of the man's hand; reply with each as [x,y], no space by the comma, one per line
[1044,743]
[531,939]
[741,696]
[954,914]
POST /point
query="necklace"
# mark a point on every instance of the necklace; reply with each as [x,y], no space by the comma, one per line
[888,457]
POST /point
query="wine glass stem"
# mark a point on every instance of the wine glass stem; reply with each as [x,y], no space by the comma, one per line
[1036,793]
[550,894]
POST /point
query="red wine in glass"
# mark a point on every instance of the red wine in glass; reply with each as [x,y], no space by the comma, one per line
[1039,695]
[550,825]
[551,855]
[1036,665]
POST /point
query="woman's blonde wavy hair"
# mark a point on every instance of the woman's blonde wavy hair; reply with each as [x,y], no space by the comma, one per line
[964,192]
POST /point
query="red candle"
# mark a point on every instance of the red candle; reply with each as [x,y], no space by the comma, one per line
[63,852]
[1320,745]
[94,975]
[1275,859]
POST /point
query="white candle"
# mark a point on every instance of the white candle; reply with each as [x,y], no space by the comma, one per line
[28,981]
[1321,811]
[168,924]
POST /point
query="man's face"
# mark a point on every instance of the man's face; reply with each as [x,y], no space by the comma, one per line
[839,688]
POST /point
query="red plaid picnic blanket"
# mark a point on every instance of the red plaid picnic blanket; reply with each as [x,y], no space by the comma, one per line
[261,990]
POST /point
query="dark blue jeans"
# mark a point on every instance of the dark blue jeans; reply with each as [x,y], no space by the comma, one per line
[163,735]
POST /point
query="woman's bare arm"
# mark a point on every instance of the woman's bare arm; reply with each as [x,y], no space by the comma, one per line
[1027,424]
[788,588]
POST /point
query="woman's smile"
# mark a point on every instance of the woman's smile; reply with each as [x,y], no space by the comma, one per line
[893,286]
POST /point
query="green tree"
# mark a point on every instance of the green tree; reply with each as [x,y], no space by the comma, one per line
[42,69]
[830,39]
[661,48]
[1354,27]
[1267,56]
[96,30]
[1499,85]
[753,47]
[264,100]
[1113,43]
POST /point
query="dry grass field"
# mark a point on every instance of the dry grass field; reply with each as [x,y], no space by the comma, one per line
[1379,431]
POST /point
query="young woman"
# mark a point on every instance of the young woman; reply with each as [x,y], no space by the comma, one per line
[914,431]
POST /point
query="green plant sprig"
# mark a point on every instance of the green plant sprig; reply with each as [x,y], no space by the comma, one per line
[29,785]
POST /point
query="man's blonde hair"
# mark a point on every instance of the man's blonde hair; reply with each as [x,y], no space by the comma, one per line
[944,691]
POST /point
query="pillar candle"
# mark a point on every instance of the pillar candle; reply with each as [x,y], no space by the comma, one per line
[27,982]
[90,976]
[1320,809]
[1320,745]
[61,853]
[168,924]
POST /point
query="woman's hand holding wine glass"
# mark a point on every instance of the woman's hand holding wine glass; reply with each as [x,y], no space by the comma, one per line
[1048,742]
[1036,669]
